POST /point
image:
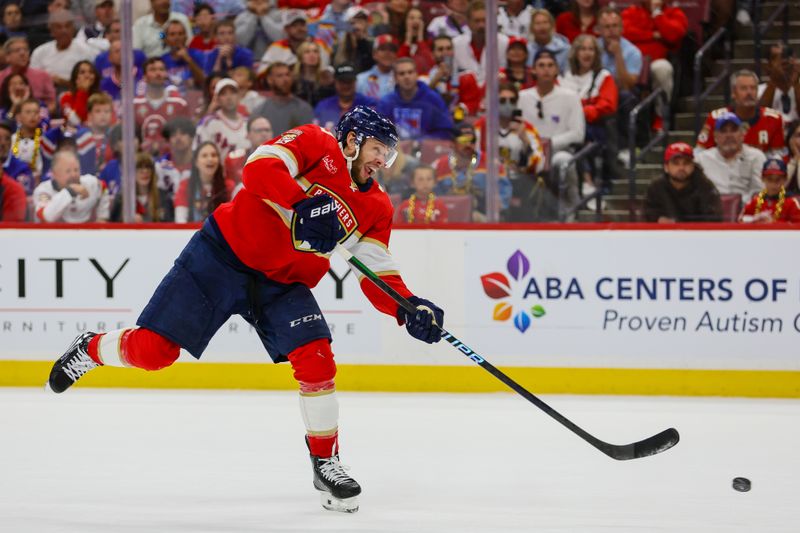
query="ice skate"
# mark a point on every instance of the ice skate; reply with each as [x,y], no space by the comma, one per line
[338,491]
[72,365]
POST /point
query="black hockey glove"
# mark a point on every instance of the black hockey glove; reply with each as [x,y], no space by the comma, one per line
[317,223]
[426,323]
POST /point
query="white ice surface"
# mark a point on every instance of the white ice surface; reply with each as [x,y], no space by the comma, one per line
[196,461]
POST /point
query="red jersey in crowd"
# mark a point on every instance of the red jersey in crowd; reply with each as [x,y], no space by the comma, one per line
[302,162]
[764,131]
[640,27]
[152,116]
[568,25]
[13,202]
[789,208]
[421,53]
[424,211]
[199,42]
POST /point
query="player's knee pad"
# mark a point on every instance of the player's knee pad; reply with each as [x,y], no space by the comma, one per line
[146,349]
[313,363]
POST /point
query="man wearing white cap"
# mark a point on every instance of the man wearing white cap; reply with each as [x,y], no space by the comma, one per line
[284,51]
[226,127]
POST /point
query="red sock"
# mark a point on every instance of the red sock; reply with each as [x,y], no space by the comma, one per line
[324,446]
[93,349]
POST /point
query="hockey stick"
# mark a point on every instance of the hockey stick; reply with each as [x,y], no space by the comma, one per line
[650,446]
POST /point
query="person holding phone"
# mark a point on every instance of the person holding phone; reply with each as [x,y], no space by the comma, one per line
[782,91]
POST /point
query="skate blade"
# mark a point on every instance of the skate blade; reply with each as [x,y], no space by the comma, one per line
[342,505]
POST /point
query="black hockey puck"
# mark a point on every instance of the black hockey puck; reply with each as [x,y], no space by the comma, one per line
[742,484]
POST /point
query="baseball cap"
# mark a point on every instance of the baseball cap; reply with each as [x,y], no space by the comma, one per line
[355,11]
[345,72]
[727,118]
[290,16]
[544,52]
[676,150]
[774,167]
[518,41]
[225,82]
[102,2]
[384,40]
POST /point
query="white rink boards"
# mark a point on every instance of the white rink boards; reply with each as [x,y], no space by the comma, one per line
[96,460]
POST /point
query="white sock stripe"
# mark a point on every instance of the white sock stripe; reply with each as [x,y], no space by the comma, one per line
[320,413]
[109,348]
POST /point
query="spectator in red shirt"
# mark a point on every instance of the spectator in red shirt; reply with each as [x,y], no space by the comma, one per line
[413,41]
[581,18]
[772,204]
[204,22]
[84,81]
[656,29]
[18,58]
[13,202]
[517,71]
[765,125]
[422,207]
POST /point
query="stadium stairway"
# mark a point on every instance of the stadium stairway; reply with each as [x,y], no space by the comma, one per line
[616,205]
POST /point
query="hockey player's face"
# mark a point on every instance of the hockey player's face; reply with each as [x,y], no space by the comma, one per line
[371,158]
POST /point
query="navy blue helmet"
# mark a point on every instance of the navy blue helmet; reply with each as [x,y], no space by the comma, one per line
[365,122]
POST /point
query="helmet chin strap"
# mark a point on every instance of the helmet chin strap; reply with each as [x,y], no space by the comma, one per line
[350,159]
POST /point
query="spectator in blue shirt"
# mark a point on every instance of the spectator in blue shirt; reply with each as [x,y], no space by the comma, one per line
[379,80]
[184,65]
[227,55]
[329,110]
[619,56]
[417,110]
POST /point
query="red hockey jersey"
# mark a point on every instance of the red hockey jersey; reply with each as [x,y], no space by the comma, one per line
[790,210]
[258,224]
[764,132]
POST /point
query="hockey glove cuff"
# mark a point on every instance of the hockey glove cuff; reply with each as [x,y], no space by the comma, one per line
[426,324]
[317,222]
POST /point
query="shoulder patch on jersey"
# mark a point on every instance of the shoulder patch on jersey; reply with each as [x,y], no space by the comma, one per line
[288,136]
[717,112]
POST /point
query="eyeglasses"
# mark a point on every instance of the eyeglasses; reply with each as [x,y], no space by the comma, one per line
[507,100]
[539,109]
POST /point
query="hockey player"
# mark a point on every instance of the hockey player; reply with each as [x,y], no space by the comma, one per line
[258,256]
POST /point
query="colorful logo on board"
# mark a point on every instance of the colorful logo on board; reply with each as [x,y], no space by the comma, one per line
[498,286]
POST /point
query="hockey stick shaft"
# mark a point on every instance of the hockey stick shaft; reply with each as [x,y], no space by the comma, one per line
[651,446]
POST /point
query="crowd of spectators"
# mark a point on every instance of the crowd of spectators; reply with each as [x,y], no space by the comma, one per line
[216,78]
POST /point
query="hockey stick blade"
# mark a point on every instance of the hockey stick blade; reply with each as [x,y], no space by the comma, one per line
[621,452]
